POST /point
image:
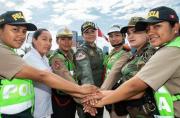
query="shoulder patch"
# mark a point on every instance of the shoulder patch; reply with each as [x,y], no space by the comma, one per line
[80,55]
[57,64]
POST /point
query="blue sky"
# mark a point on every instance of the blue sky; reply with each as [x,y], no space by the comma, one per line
[55,14]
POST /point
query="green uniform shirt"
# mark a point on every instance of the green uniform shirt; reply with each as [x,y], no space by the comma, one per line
[89,64]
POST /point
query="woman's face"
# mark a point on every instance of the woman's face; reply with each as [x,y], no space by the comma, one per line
[115,38]
[13,36]
[65,43]
[136,38]
[161,33]
[43,43]
[90,35]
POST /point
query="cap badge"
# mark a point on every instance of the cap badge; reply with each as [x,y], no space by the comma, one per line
[153,14]
[17,16]
[87,24]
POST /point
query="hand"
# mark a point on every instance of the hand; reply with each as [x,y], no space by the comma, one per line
[88,89]
[100,102]
[92,99]
[88,109]
[89,101]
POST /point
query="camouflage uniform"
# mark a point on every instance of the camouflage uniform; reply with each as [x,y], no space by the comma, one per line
[89,70]
[135,63]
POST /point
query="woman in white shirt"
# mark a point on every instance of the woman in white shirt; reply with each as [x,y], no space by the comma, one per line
[36,57]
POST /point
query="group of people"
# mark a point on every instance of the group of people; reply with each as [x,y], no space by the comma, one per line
[140,83]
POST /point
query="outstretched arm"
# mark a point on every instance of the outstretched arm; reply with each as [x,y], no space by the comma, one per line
[128,89]
[54,81]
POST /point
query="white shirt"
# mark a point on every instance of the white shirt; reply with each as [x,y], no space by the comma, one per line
[43,105]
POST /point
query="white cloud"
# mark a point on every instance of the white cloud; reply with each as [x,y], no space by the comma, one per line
[54,13]
[79,10]
[10,4]
[60,20]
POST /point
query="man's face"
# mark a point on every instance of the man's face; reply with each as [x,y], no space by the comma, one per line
[65,43]
[160,33]
[13,36]
[90,35]
[115,38]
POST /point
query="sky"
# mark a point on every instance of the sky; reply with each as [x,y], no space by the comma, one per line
[55,14]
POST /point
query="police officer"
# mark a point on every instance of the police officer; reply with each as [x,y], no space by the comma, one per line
[16,90]
[89,63]
[161,72]
[62,64]
[116,39]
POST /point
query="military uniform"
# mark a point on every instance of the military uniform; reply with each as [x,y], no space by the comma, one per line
[63,104]
[135,107]
[89,70]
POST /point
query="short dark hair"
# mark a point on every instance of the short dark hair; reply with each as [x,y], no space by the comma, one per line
[38,32]
[172,23]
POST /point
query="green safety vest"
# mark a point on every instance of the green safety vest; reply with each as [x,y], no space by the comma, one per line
[164,100]
[111,59]
[15,91]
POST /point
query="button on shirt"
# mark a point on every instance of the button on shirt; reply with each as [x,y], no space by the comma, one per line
[43,106]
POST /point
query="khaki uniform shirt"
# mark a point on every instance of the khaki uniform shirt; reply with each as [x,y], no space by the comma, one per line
[164,69]
[58,66]
[10,63]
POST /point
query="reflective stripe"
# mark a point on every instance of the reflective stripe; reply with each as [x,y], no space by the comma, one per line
[72,72]
[15,108]
[157,116]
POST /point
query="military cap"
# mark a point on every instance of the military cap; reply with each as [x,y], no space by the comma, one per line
[88,25]
[64,32]
[132,23]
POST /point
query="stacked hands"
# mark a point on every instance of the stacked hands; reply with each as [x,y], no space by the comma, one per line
[93,99]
